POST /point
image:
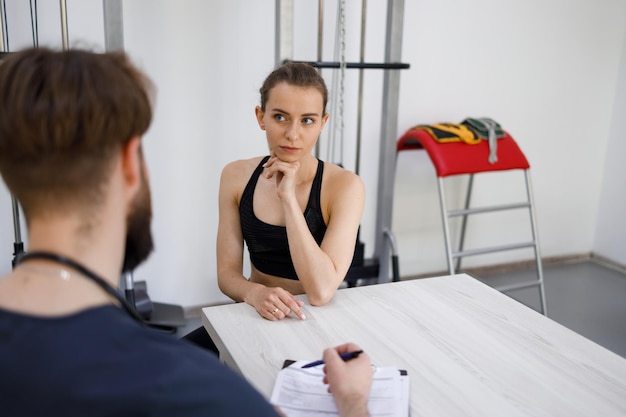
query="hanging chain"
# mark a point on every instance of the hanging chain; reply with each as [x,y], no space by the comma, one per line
[334,91]
[342,72]
[336,127]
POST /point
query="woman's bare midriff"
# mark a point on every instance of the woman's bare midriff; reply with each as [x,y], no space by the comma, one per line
[291,285]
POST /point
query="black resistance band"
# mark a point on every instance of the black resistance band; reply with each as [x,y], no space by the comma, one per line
[49,256]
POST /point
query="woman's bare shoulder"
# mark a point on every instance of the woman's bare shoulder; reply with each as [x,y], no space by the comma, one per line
[340,179]
[235,176]
[240,168]
[342,190]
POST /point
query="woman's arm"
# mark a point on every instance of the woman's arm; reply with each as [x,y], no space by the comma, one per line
[321,268]
[230,253]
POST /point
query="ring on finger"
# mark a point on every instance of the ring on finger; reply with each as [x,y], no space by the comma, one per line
[275,310]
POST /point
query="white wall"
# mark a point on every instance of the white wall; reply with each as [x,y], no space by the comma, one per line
[547,70]
[611,227]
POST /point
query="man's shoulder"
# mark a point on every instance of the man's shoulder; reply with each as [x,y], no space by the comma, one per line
[195,374]
[130,367]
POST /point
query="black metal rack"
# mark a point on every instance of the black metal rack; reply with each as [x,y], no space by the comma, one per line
[356,65]
[385,256]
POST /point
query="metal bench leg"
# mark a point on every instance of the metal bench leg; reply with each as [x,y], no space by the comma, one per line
[535,236]
[446,226]
[468,197]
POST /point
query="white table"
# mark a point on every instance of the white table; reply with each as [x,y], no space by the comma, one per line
[469,350]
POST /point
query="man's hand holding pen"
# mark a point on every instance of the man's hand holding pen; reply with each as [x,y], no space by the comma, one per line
[350,380]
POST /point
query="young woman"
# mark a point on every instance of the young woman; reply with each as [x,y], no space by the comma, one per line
[299,216]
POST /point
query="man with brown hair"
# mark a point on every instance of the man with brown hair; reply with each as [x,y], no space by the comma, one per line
[70,151]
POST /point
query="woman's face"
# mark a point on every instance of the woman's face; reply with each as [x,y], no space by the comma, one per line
[293,120]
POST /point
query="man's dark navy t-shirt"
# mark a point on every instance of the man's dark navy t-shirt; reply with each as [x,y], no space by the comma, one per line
[100,362]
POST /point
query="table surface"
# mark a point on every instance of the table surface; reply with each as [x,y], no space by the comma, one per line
[469,349]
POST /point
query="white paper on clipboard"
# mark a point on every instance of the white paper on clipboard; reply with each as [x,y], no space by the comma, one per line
[301,392]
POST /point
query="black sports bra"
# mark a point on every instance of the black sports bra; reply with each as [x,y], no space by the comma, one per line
[267,243]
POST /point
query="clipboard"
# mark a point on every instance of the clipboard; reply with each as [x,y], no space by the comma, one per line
[301,392]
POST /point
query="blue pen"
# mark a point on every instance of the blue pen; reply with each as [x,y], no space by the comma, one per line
[345,356]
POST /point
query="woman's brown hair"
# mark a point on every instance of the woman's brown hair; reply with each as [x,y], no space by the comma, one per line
[297,74]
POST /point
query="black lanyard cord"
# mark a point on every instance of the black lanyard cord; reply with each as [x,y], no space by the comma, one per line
[87,273]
